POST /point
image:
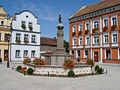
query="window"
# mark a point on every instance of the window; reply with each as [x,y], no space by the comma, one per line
[96,24]
[26,37]
[0,36]
[33,53]
[23,25]
[106,38]
[114,38]
[74,28]
[25,53]
[30,26]
[96,39]
[80,42]
[17,36]
[108,54]
[74,41]
[87,26]
[2,22]
[105,22]
[17,54]
[88,40]
[33,40]
[85,53]
[6,37]
[114,20]
[80,27]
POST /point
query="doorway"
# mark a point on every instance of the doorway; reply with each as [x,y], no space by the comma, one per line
[96,56]
[5,55]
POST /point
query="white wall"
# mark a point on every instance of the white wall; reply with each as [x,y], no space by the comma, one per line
[16,24]
[22,48]
[16,28]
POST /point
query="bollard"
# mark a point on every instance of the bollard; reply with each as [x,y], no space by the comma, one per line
[106,71]
[48,73]
[24,72]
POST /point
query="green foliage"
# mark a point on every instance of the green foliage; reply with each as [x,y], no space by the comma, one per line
[96,68]
[90,62]
[38,61]
[69,63]
[66,45]
[100,71]
[30,71]
[71,73]
[26,61]
[19,68]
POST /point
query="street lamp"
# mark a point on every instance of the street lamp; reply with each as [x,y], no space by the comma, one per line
[8,39]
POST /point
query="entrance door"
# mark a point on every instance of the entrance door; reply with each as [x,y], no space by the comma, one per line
[96,56]
[5,55]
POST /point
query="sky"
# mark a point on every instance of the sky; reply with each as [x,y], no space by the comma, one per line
[47,12]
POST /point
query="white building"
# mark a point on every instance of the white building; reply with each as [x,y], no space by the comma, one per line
[25,37]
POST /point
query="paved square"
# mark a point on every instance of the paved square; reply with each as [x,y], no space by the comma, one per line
[12,80]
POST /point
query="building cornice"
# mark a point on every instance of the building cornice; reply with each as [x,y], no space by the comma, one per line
[26,31]
[24,44]
[95,13]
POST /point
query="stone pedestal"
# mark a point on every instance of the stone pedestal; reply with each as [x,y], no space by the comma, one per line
[60,54]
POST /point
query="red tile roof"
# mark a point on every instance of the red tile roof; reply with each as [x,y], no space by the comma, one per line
[48,41]
[98,6]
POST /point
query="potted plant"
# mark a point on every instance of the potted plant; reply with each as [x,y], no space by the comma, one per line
[26,41]
[80,32]
[26,61]
[95,29]
[18,41]
[105,28]
[113,27]
[86,31]
[69,63]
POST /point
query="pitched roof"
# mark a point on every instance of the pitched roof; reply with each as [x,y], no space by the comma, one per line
[48,41]
[94,7]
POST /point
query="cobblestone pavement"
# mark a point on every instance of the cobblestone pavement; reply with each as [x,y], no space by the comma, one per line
[12,80]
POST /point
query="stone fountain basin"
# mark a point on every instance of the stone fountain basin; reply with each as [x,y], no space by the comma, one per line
[58,70]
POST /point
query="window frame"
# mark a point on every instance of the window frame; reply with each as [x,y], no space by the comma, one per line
[113,37]
[96,39]
[17,54]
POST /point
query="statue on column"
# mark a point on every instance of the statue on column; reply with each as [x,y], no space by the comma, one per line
[60,21]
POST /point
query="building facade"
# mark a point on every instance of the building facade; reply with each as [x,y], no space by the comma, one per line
[25,38]
[95,32]
[48,44]
[5,23]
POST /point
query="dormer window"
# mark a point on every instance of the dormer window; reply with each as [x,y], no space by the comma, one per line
[87,26]
[30,26]
[74,28]
[80,27]
[114,20]
[105,22]
[23,25]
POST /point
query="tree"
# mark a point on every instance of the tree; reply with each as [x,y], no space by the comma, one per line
[66,45]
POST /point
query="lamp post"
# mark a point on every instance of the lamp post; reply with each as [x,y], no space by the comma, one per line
[8,38]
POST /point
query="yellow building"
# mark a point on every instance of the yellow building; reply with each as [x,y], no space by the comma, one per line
[5,23]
